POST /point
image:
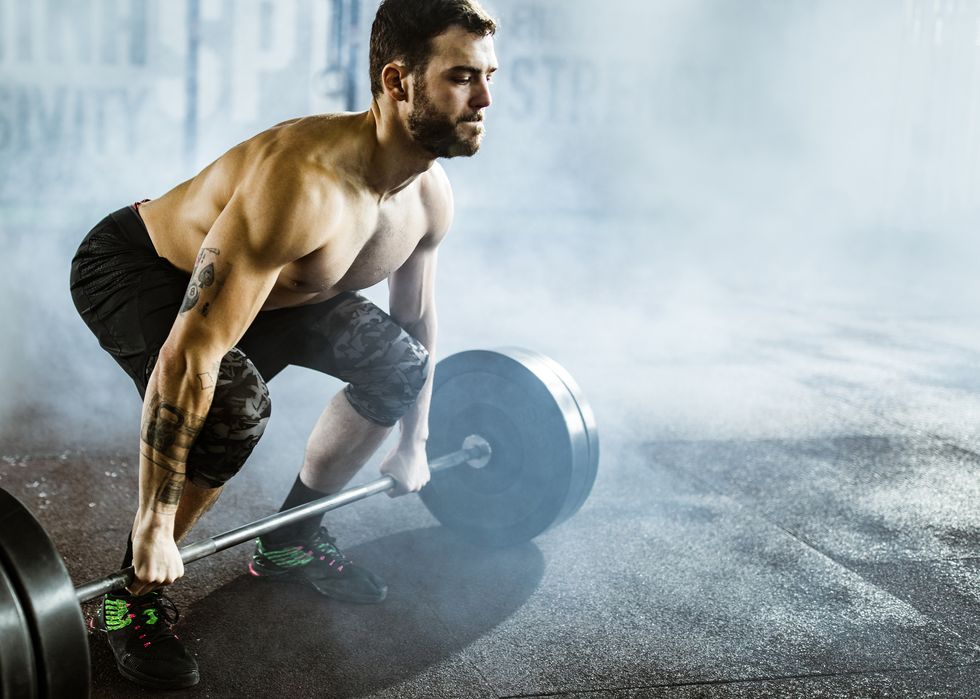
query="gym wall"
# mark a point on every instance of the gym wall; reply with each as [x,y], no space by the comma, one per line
[640,155]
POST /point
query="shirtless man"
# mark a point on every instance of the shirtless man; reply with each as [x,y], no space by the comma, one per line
[204,294]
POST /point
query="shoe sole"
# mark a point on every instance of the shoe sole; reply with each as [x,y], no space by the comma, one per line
[289,576]
[142,680]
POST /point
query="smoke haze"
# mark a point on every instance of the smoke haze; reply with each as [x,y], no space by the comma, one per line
[653,173]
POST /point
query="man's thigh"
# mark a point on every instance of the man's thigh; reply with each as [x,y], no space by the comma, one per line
[350,338]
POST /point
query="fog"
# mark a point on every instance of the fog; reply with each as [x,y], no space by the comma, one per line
[653,174]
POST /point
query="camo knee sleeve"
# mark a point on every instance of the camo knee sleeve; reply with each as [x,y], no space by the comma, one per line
[386,367]
[238,416]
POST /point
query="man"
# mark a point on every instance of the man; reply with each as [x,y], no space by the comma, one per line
[207,292]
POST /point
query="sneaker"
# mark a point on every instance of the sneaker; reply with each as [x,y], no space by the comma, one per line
[318,562]
[140,634]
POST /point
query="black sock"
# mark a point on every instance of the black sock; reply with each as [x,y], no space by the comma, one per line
[127,561]
[303,529]
[128,558]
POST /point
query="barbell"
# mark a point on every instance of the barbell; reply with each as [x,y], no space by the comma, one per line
[515,417]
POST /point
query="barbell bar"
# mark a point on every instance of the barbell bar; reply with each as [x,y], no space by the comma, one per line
[206,547]
[525,430]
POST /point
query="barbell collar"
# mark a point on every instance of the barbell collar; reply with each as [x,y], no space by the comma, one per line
[478,452]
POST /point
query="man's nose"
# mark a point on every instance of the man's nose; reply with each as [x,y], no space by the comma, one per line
[482,99]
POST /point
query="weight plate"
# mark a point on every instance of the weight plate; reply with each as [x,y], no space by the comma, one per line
[585,475]
[48,600]
[17,675]
[543,460]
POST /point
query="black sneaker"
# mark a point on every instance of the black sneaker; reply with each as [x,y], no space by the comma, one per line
[321,564]
[140,633]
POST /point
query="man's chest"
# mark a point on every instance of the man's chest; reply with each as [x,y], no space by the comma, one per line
[365,252]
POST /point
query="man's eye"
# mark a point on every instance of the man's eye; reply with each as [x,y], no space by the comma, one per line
[461,81]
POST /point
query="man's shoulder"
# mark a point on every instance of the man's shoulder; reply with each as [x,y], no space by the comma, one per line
[437,199]
[314,149]
[436,181]
[436,193]
[287,176]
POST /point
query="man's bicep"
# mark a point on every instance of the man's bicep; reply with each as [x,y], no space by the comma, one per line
[228,286]
[411,288]
[268,223]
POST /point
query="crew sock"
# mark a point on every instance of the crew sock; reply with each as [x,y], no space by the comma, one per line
[301,530]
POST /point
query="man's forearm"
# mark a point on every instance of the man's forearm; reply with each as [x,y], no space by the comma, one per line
[415,423]
[178,397]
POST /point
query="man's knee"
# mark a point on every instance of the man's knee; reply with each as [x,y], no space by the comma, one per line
[386,390]
[238,416]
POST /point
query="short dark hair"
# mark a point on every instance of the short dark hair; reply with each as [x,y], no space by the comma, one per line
[405,28]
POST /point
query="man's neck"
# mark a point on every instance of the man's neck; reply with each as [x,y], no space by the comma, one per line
[396,160]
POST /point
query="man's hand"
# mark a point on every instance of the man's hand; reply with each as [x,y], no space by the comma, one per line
[156,560]
[409,466]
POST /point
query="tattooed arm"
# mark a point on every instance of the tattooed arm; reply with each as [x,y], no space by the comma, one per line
[268,223]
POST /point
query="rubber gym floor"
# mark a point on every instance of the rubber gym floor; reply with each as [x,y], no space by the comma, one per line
[786,507]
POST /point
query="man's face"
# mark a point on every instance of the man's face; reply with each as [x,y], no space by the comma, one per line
[451,96]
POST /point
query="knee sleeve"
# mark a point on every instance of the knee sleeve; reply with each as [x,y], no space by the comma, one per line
[386,367]
[238,416]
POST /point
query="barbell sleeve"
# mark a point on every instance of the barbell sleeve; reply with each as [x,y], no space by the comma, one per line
[204,548]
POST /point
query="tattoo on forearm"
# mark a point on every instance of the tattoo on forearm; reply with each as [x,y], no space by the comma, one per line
[169,491]
[202,277]
[209,379]
[168,429]
[160,464]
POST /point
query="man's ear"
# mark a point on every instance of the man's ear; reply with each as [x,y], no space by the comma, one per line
[393,80]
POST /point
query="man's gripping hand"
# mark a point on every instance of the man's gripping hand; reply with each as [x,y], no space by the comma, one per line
[156,560]
[409,466]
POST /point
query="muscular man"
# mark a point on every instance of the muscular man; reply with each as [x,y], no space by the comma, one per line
[208,292]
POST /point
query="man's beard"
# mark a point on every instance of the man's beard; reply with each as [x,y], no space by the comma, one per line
[438,134]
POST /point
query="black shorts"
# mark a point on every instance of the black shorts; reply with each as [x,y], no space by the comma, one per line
[130,297]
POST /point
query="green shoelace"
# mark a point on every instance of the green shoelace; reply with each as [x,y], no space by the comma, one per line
[292,556]
[119,615]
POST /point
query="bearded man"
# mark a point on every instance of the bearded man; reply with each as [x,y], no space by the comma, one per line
[206,293]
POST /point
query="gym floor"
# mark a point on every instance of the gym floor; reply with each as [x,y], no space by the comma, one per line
[786,507]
